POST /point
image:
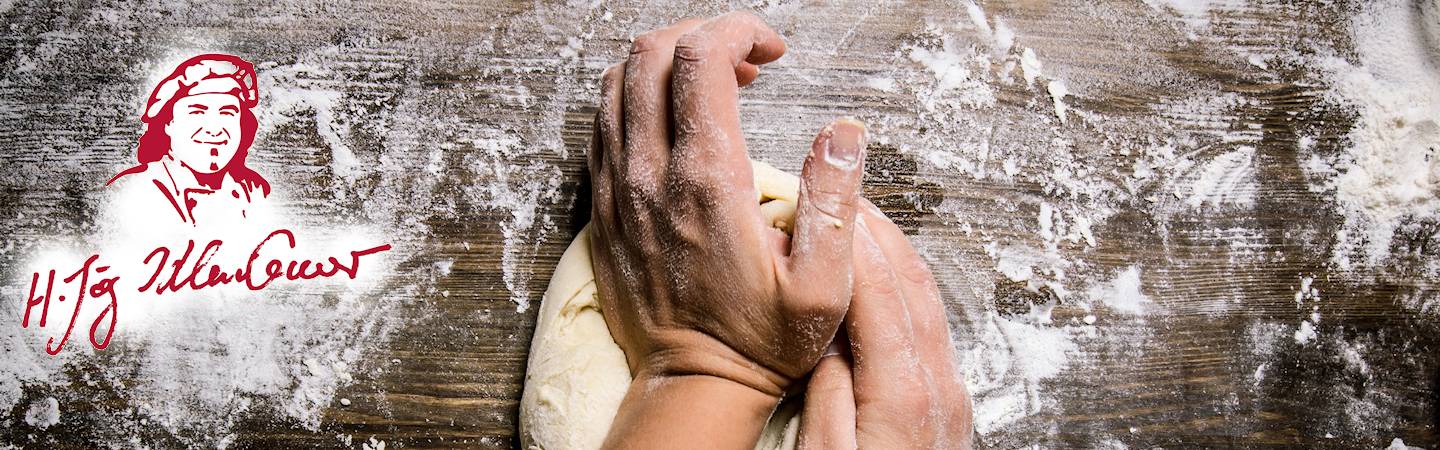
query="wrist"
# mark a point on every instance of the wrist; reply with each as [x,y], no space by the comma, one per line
[699,411]
[689,352]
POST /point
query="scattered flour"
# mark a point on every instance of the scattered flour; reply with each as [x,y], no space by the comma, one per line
[883,84]
[1389,175]
[1030,66]
[1306,291]
[1058,91]
[1226,180]
[1399,444]
[373,444]
[1013,357]
[43,414]
[952,66]
[517,188]
[1123,294]
[1195,13]
[1305,333]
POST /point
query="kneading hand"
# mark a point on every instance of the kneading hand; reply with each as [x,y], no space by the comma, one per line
[901,388]
[718,313]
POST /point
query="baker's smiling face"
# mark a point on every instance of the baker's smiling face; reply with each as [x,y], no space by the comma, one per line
[205,131]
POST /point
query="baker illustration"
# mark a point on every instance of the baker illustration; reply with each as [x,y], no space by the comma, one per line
[191,156]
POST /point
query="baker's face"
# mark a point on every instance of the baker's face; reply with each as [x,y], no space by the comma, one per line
[205,131]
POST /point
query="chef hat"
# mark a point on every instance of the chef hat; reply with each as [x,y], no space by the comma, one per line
[213,73]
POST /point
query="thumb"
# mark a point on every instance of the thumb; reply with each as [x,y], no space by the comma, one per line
[820,253]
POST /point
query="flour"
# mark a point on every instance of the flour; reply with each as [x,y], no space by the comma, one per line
[43,414]
[1058,91]
[955,82]
[1030,66]
[1123,294]
[882,84]
[1195,13]
[174,359]
[517,191]
[1305,332]
[964,133]
[1005,371]
[1399,444]
[373,444]
[1389,175]
[1226,180]
[1307,291]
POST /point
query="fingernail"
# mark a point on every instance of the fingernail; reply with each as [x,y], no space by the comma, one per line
[847,142]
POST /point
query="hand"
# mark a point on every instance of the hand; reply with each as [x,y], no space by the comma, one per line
[901,390]
[708,301]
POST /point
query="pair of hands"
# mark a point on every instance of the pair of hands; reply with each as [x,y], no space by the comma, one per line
[720,314]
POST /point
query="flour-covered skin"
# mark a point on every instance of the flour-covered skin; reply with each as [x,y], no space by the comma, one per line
[893,382]
[711,304]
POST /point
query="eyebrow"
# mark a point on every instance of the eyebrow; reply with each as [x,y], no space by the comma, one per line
[199,107]
[230,108]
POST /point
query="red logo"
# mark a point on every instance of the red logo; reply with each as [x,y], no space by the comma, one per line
[199,125]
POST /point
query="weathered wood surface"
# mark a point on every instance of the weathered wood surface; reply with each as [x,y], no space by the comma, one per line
[417,76]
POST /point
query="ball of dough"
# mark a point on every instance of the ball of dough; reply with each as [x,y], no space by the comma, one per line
[577,374]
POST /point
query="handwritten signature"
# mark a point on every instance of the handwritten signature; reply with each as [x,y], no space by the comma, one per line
[181,273]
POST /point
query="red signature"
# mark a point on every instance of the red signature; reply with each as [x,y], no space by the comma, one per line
[184,272]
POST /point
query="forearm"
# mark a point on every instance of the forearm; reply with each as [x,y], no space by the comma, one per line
[690,411]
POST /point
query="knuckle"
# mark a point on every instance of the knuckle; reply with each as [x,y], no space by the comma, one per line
[916,271]
[614,71]
[611,80]
[913,403]
[695,46]
[828,200]
[878,289]
[646,42]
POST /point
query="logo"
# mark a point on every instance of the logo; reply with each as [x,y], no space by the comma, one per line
[199,125]
[190,180]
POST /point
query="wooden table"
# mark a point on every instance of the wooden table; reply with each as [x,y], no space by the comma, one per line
[469,121]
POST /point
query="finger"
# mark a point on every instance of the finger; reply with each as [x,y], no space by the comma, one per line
[709,146]
[595,153]
[828,420]
[609,136]
[881,341]
[917,286]
[647,105]
[819,250]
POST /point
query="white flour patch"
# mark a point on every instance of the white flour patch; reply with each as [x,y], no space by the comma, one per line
[1305,332]
[1013,356]
[1058,91]
[1389,175]
[44,413]
[1226,180]
[1122,294]
[1195,13]
[517,189]
[882,84]
[956,83]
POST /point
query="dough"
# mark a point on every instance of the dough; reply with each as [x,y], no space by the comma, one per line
[577,374]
